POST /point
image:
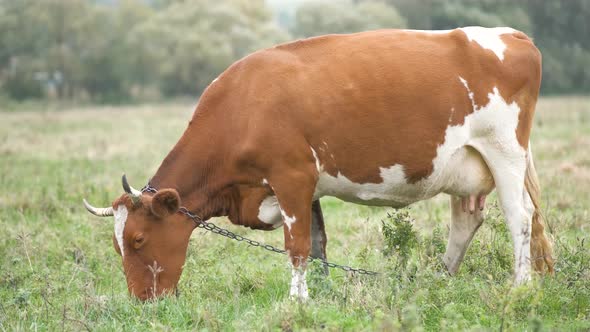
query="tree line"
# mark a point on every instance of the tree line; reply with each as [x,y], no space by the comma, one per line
[118,50]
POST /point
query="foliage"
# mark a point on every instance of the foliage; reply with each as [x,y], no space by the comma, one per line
[559,28]
[73,49]
[563,39]
[189,43]
[77,49]
[59,270]
[106,51]
[324,17]
[399,236]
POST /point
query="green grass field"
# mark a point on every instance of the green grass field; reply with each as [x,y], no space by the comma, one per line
[59,271]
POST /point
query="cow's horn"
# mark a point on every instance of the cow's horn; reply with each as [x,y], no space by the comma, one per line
[99,212]
[133,193]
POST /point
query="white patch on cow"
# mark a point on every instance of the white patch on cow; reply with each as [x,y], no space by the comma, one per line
[298,284]
[289,221]
[469,93]
[488,38]
[463,171]
[451,115]
[120,214]
[264,182]
[457,169]
[318,165]
[269,212]
[522,236]
[368,193]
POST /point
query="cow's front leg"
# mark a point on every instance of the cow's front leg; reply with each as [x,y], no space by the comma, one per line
[318,234]
[294,194]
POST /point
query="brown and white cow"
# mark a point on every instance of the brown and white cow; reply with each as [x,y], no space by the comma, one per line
[387,117]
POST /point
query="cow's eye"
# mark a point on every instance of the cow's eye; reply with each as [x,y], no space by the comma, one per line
[139,240]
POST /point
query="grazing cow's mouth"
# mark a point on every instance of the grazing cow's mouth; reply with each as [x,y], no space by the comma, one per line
[148,294]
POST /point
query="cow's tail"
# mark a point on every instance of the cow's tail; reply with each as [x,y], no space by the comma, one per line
[541,248]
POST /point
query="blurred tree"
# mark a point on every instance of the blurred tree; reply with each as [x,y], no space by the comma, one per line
[72,46]
[189,43]
[451,14]
[322,17]
[562,31]
[105,49]
[21,43]
[134,66]
[417,13]
[379,15]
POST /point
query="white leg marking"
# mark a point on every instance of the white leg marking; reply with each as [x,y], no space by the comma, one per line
[120,214]
[318,165]
[523,273]
[298,284]
[289,221]
[509,168]
[520,227]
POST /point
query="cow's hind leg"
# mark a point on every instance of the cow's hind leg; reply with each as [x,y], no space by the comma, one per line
[508,167]
[318,234]
[464,225]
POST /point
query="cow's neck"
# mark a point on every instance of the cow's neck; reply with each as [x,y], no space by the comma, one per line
[194,168]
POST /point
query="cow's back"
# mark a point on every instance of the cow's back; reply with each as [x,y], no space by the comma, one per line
[379,104]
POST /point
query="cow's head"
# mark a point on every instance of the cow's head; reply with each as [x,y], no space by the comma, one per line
[151,237]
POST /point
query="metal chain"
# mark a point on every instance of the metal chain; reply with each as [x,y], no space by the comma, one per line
[224,232]
[229,234]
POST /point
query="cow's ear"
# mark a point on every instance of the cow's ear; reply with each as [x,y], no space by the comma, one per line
[165,203]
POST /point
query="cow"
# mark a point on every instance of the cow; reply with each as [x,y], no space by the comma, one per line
[384,118]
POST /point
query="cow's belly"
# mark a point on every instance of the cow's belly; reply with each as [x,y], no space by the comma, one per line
[392,191]
[463,173]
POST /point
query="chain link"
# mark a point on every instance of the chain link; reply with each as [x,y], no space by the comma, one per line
[224,232]
[227,233]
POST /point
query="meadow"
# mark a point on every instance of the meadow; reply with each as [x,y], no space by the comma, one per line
[60,272]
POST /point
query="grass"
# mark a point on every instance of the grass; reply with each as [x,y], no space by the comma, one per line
[59,271]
